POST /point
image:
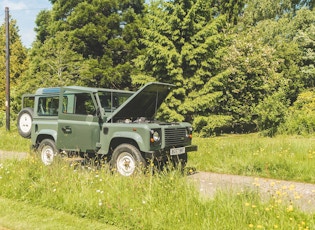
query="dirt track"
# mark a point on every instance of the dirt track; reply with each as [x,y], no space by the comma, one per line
[302,195]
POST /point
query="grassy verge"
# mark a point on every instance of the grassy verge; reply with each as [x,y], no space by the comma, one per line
[160,201]
[61,193]
[12,141]
[21,215]
[287,158]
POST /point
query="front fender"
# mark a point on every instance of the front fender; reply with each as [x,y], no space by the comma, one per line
[136,137]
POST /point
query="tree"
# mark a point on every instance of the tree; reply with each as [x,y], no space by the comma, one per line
[182,43]
[18,63]
[100,35]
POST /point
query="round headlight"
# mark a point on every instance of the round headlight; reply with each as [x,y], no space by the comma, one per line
[156,136]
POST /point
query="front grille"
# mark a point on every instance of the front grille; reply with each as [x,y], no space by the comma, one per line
[175,136]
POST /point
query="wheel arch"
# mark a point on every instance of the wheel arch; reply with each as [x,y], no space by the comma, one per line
[115,142]
[43,136]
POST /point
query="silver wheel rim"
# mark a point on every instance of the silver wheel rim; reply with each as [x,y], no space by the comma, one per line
[25,122]
[47,155]
[126,164]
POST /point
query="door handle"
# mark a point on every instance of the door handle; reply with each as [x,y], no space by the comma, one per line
[66,129]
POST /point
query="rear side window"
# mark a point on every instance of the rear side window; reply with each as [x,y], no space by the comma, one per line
[48,106]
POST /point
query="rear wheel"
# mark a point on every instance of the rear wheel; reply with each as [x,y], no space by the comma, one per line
[127,159]
[48,151]
[24,122]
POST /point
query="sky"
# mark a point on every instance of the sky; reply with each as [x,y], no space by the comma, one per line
[24,12]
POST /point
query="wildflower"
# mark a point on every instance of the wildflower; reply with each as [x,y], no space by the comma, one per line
[275,226]
[100,203]
[259,226]
[54,190]
[290,208]
[246,204]
[251,225]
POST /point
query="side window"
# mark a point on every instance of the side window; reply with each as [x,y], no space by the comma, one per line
[68,104]
[48,106]
[84,104]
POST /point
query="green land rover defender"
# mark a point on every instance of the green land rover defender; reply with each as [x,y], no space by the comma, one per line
[119,126]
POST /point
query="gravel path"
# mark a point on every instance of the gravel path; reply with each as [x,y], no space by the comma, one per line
[302,195]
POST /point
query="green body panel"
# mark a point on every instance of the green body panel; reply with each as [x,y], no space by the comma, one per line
[79,119]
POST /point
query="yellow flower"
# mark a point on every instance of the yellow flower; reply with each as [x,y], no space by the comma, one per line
[251,225]
[290,208]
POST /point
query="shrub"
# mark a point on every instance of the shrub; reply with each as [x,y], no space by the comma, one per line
[212,125]
[300,118]
[270,113]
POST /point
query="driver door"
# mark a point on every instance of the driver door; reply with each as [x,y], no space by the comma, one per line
[78,124]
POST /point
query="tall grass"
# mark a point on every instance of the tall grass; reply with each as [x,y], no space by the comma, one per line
[12,141]
[283,157]
[159,201]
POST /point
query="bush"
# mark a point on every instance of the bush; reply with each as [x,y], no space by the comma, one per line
[300,118]
[212,125]
[271,113]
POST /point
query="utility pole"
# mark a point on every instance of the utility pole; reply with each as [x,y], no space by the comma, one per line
[7,89]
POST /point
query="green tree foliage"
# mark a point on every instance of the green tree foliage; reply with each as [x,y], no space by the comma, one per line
[290,37]
[305,38]
[231,8]
[18,63]
[234,63]
[300,118]
[182,42]
[87,42]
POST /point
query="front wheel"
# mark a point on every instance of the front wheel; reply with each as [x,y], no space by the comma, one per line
[47,149]
[179,161]
[126,159]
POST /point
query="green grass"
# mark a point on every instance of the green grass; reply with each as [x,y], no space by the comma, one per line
[285,157]
[159,201]
[20,215]
[96,198]
[12,141]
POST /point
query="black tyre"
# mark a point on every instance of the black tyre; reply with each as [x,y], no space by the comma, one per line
[24,122]
[126,159]
[179,161]
[48,151]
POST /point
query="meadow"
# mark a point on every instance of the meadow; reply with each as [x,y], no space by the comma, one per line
[166,200]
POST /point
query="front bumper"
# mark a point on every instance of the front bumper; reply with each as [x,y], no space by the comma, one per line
[163,154]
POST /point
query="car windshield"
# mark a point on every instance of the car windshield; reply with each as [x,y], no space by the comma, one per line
[110,101]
